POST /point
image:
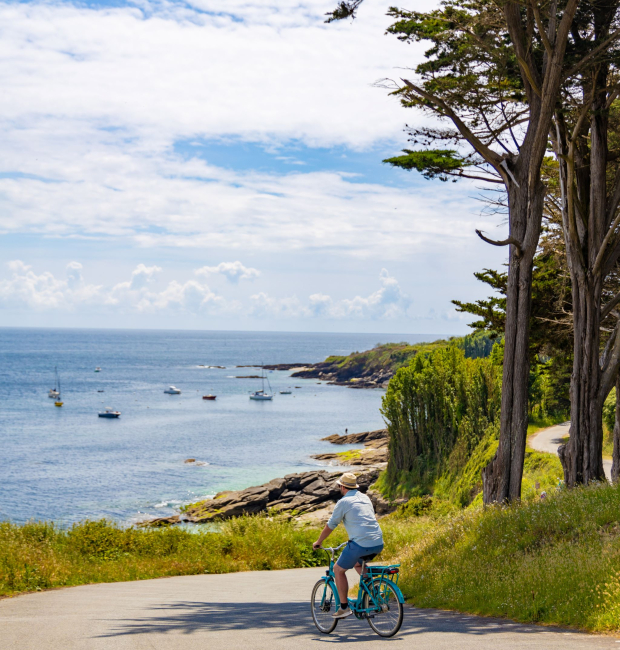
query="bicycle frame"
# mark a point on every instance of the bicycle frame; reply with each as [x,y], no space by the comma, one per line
[370,580]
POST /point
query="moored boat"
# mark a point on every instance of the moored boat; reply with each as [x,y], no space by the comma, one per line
[97,369]
[109,413]
[209,397]
[58,401]
[172,390]
[261,395]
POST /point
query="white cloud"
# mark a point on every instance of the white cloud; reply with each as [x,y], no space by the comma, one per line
[233,271]
[260,71]
[27,289]
[387,303]
[93,109]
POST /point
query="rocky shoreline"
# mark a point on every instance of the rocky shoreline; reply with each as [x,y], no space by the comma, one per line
[335,374]
[307,496]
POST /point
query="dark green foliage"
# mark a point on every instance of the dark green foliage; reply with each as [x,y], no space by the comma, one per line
[345,9]
[441,400]
[550,329]
[477,345]
[431,163]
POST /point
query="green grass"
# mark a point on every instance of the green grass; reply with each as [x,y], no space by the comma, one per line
[38,556]
[554,561]
[392,356]
[536,424]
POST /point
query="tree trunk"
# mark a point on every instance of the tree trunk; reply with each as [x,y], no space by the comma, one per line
[615,464]
[582,455]
[501,478]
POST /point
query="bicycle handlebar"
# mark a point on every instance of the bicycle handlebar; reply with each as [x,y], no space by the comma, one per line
[331,549]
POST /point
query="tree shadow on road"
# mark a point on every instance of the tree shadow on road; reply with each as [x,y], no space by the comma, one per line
[294,620]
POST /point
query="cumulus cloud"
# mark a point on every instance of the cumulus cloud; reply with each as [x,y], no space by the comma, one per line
[44,291]
[27,289]
[233,271]
[387,303]
[265,306]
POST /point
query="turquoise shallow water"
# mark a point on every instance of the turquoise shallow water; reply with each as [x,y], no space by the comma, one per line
[67,464]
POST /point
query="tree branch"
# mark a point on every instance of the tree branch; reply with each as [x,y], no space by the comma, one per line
[599,48]
[488,154]
[505,242]
[608,308]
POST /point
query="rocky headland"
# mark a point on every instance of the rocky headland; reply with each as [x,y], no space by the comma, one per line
[306,496]
[374,453]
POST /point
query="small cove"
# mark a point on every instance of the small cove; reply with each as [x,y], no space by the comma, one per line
[67,464]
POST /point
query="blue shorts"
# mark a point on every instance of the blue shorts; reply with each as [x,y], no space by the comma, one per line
[353,553]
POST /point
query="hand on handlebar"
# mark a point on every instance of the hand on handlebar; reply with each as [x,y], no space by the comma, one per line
[316,545]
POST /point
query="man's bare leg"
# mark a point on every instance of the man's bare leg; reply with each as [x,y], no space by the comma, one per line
[342,583]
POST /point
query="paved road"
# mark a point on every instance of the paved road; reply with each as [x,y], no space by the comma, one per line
[247,611]
[550,439]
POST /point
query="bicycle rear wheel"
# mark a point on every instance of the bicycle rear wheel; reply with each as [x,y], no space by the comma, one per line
[323,604]
[388,615]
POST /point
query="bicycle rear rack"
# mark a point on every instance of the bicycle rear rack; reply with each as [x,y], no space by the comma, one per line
[390,572]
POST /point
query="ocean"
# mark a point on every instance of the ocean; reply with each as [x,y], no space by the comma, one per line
[67,464]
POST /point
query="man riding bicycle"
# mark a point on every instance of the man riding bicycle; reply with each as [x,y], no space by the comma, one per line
[355,511]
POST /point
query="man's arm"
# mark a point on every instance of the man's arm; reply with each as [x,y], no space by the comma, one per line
[325,533]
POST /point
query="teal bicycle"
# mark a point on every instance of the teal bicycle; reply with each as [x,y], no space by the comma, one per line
[379,600]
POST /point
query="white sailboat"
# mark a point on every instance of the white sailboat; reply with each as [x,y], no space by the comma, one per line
[58,401]
[261,395]
[54,393]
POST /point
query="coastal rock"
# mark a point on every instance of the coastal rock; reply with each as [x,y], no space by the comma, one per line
[348,375]
[159,522]
[294,494]
[375,450]
[357,438]
[382,505]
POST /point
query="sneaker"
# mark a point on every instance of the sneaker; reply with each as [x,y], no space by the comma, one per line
[342,613]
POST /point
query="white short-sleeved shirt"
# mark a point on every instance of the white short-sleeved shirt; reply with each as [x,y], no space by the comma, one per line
[355,511]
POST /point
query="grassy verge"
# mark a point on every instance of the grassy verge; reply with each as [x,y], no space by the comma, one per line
[553,561]
[38,556]
[536,424]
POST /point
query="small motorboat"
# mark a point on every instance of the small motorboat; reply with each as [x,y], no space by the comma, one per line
[109,413]
[100,390]
[53,393]
[210,397]
[286,392]
[172,390]
[97,369]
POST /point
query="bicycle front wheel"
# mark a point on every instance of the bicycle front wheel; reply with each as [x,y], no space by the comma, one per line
[323,604]
[386,616]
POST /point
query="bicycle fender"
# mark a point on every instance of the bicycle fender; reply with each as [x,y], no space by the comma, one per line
[330,581]
[399,593]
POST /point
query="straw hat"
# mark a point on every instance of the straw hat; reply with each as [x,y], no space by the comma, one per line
[348,481]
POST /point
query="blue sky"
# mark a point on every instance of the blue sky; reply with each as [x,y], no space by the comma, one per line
[217,164]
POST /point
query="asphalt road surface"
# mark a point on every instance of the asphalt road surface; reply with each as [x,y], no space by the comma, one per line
[550,439]
[248,611]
